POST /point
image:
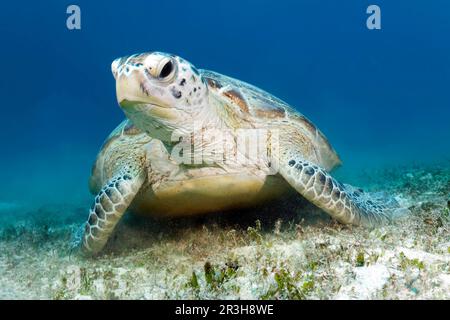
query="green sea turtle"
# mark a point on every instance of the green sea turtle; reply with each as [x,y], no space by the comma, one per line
[196,141]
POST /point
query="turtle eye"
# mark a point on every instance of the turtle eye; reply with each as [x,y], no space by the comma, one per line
[160,67]
[166,70]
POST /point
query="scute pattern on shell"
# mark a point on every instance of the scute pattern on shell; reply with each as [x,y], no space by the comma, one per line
[260,106]
[258,103]
[126,128]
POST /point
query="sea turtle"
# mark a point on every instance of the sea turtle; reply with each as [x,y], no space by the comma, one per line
[188,147]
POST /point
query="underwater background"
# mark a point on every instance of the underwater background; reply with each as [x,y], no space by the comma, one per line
[382,97]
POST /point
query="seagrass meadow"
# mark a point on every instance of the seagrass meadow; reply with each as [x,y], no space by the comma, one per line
[288,250]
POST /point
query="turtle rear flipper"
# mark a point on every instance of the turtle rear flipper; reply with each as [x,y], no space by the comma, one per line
[381,199]
[345,203]
[109,206]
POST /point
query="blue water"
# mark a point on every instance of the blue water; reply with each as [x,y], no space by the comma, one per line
[381,96]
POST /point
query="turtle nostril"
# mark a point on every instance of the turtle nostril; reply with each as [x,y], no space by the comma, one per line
[115,67]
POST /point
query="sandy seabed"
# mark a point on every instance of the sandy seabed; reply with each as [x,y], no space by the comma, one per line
[286,250]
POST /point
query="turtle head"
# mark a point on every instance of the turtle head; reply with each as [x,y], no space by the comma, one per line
[160,92]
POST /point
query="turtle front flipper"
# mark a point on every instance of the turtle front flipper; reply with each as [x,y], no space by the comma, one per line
[345,203]
[110,204]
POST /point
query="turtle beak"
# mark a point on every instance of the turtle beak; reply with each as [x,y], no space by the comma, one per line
[114,67]
[128,86]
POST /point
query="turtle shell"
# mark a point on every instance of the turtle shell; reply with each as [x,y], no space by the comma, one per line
[125,130]
[258,106]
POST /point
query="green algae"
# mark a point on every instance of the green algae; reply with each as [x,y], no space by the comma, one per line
[290,250]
